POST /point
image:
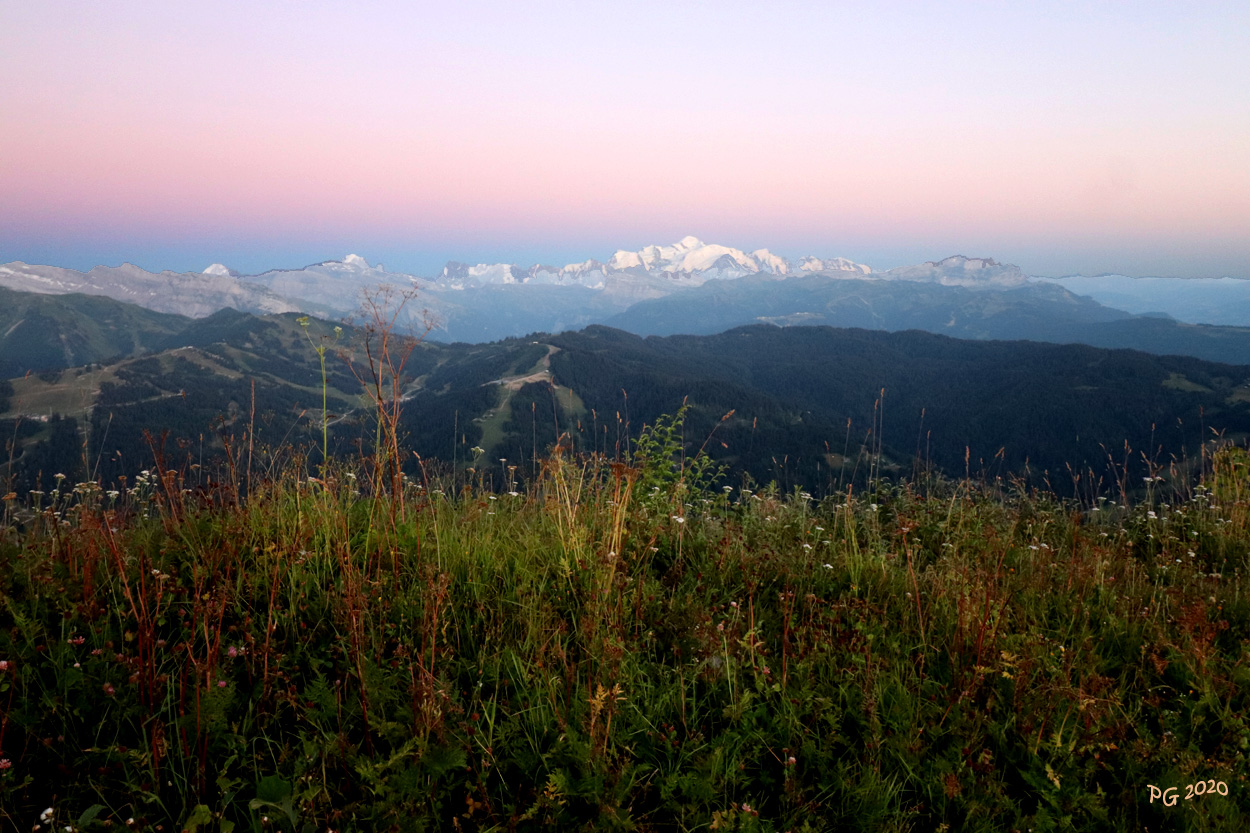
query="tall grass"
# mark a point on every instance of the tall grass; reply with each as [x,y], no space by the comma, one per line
[625,645]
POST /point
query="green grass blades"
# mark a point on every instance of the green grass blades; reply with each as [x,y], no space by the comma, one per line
[595,655]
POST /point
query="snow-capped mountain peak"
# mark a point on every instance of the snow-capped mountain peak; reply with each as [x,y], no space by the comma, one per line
[968,264]
[660,268]
[770,262]
[585,266]
[690,255]
[705,257]
[833,264]
[626,260]
[958,270]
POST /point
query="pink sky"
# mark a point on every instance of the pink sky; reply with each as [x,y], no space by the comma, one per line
[1105,137]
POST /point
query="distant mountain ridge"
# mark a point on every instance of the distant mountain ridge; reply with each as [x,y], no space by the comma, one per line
[957,270]
[193,294]
[1196,300]
[333,287]
[695,287]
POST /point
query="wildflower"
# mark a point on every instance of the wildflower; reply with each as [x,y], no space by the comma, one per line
[221,683]
[828,566]
[790,761]
[46,814]
[108,689]
[679,519]
[4,665]
[232,652]
[5,763]
[77,640]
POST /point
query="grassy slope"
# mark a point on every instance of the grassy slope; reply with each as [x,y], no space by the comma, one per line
[615,649]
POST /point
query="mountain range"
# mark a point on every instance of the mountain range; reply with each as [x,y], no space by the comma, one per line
[688,287]
[484,302]
[813,407]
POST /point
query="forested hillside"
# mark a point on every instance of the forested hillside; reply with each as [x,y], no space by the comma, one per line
[805,395]
[50,332]
[814,407]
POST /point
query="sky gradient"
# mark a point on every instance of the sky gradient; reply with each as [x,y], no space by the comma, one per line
[1064,137]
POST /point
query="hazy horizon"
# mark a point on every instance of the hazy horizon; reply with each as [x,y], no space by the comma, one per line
[430,265]
[1100,139]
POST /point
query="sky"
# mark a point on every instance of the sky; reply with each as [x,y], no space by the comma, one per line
[1063,137]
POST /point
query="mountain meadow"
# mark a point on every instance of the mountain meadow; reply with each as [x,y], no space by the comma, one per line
[274,573]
